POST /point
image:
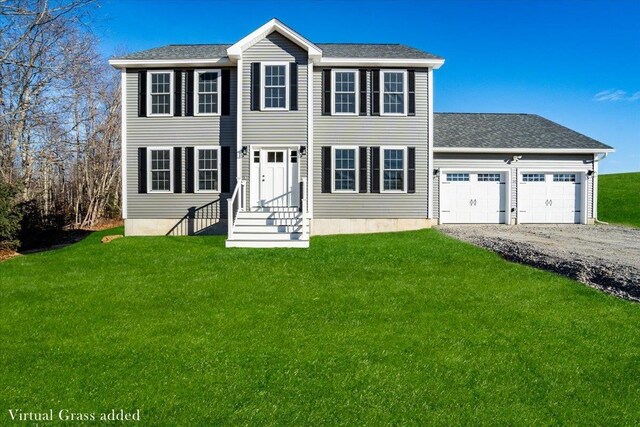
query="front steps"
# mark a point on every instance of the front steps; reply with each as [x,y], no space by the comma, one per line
[273,228]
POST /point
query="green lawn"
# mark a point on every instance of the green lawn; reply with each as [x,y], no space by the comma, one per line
[619,198]
[407,329]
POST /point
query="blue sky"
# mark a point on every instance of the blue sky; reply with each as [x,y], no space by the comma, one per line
[575,62]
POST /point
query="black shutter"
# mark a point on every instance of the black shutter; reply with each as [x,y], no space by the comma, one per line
[326,92]
[363,92]
[255,86]
[293,86]
[326,169]
[375,92]
[177,93]
[177,169]
[363,170]
[412,93]
[411,170]
[142,170]
[226,91]
[189,162]
[226,170]
[375,169]
[142,94]
[190,83]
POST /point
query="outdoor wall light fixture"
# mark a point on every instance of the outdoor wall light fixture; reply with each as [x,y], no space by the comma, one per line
[244,150]
[436,171]
[303,150]
[590,172]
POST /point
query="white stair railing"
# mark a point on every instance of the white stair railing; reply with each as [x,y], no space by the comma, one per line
[305,210]
[235,204]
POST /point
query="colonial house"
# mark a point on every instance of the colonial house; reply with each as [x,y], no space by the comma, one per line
[276,138]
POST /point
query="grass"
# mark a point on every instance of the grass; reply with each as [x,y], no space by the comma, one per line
[405,328]
[619,198]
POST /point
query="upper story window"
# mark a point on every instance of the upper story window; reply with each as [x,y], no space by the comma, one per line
[160,90]
[344,169]
[344,91]
[208,92]
[160,161]
[393,169]
[393,92]
[208,169]
[275,78]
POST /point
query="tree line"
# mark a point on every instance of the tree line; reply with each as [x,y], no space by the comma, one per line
[59,122]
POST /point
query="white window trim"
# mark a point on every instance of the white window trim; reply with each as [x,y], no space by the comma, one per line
[263,91]
[171,171]
[171,90]
[405,85]
[355,92]
[196,168]
[333,168]
[404,167]
[196,98]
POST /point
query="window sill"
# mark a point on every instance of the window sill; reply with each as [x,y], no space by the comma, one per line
[160,115]
[206,114]
[207,192]
[159,191]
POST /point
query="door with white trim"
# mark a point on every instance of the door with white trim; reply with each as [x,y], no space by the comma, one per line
[549,197]
[473,197]
[274,177]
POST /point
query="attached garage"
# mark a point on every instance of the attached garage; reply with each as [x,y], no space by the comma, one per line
[513,169]
[550,197]
[473,197]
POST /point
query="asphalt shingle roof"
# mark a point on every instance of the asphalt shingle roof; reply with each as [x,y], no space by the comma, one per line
[486,130]
[333,50]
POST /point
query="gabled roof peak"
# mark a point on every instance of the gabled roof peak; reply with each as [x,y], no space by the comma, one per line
[234,52]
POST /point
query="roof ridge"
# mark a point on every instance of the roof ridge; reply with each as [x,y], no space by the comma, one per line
[196,44]
[371,44]
[493,113]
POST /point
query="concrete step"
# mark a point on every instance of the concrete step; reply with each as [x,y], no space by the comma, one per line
[267,244]
[268,221]
[262,228]
[239,235]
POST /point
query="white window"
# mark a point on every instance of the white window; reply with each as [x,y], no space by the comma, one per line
[160,93]
[207,97]
[484,177]
[345,100]
[532,177]
[394,92]
[345,166]
[394,162]
[275,81]
[564,177]
[160,161]
[207,169]
[456,177]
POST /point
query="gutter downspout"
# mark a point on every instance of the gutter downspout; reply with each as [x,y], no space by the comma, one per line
[596,160]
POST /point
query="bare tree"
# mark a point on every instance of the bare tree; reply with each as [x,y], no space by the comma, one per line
[59,110]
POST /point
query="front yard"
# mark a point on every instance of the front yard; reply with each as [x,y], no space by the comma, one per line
[403,328]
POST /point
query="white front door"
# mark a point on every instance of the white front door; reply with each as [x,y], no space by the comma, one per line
[549,197]
[473,197]
[274,177]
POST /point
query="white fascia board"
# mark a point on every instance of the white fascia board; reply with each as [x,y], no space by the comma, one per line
[160,63]
[381,62]
[235,51]
[522,150]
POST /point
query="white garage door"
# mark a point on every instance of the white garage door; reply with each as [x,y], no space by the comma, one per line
[549,197]
[472,197]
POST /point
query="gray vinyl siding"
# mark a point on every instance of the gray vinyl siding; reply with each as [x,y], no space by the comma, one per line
[175,132]
[274,127]
[341,130]
[528,162]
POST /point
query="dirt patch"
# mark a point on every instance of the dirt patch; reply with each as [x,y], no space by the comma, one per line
[603,257]
[6,254]
[111,238]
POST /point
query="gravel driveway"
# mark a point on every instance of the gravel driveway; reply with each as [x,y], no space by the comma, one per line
[602,256]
